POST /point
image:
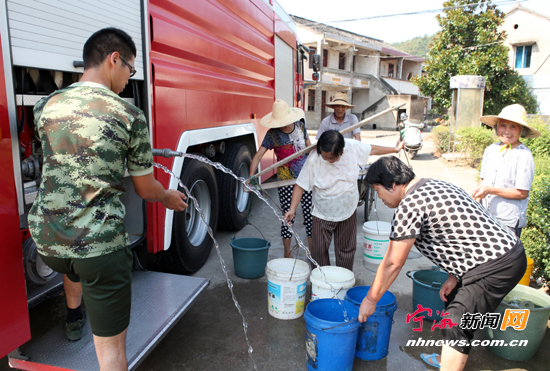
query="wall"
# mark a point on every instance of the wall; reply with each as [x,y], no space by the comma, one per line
[530,29]
[403,86]
[369,64]
[333,58]
[410,67]
[360,100]
[414,105]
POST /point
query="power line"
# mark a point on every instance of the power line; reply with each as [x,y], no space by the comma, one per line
[497,3]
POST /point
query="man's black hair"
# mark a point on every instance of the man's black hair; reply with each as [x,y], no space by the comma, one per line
[389,170]
[104,42]
[331,141]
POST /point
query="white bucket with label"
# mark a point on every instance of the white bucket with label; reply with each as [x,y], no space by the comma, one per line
[341,279]
[286,287]
[376,237]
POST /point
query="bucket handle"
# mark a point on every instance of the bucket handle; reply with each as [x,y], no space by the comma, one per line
[434,284]
[269,243]
[341,324]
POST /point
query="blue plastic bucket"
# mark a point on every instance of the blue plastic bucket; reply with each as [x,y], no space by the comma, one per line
[373,338]
[249,256]
[426,286]
[330,340]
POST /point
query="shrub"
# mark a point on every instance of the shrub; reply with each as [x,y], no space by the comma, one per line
[473,142]
[440,136]
[542,165]
[536,247]
[536,236]
[539,146]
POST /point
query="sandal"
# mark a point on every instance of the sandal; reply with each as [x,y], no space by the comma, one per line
[430,359]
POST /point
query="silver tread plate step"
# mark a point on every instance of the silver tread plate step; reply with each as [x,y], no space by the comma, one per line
[159,300]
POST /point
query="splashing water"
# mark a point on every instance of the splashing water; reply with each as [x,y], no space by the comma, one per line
[281,218]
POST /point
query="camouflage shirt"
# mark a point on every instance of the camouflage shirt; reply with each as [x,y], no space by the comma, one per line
[89,135]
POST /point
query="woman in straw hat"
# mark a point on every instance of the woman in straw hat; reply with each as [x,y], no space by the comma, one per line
[287,135]
[508,168]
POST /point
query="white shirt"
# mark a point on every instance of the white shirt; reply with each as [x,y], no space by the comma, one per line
[330,123]
[508,169]
[334,185]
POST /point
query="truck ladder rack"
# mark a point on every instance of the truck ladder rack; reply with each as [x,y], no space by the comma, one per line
[163,299]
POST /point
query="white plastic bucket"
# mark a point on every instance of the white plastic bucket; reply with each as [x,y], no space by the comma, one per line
[286,287]
[375,242]
[341,279]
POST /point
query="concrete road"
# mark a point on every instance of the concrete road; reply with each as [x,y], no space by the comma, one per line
[210,335]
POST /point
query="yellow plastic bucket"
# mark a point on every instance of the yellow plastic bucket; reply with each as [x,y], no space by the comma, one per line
[527,276]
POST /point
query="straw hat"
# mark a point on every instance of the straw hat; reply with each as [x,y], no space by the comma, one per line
[515,113]
[340,99]
[282,115]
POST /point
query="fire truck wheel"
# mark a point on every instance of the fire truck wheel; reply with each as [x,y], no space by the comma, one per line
[191,243]
[35,270]
[233,200]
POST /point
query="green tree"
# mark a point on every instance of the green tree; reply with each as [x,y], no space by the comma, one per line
[419,46]
[469,43]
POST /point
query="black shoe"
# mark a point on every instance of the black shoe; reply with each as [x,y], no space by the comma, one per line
[73,330]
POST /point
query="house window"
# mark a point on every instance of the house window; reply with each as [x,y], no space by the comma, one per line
[353,63]
[523,56]
[311,100]
[390,69]
[325,57]
[312,51]
[409,75]
[342,61]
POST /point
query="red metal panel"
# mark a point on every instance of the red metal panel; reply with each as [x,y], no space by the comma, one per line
[14,316]
[212,20]
[284,32]
[31,366]
[213,66]
[263,7]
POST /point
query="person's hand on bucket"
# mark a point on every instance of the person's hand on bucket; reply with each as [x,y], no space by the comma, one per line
[366,309]
[447,287]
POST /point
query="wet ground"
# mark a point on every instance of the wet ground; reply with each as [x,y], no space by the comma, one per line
[210,335]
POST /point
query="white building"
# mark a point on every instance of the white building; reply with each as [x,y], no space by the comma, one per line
[528,39]
[373,74]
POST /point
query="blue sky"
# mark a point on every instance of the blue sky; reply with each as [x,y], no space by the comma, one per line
[391,29]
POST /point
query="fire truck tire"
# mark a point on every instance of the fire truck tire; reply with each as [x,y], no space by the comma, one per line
[233,200]
[35,270]
[191,243]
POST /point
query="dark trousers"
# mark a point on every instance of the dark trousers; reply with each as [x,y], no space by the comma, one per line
[345,241]
[481,296]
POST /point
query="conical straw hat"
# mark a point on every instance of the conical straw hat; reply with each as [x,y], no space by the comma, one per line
[282,115]
[340,99]
[515,113]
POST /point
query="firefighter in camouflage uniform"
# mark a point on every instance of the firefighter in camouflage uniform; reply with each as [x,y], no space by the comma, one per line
[89,137]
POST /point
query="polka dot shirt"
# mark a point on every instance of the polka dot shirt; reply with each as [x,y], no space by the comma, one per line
[451,229]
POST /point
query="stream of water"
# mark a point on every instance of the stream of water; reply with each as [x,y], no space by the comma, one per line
[252,189]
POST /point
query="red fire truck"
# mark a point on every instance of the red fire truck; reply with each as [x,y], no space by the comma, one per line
[207,72]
